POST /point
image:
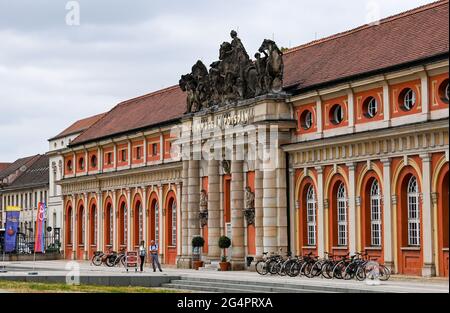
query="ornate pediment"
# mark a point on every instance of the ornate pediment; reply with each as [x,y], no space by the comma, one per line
[234,77]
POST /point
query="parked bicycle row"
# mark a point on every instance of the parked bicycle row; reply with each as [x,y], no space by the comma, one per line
[346,267]
[110,259]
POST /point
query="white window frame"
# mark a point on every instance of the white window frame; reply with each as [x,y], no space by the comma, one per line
[413,212]
[372,107]
[342,215]
[174,223]
[409,99]
[311,216]
[375,214]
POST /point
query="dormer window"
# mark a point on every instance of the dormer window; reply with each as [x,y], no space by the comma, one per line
[94,161]
[306,119]
[370,107]
[336,114]
[109,158]
[407,99]
[69,165]
[124,155]
[81,163]
[138,153]
[154,149]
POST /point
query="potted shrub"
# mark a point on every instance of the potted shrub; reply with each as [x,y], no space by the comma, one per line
[197,243]
[224,243]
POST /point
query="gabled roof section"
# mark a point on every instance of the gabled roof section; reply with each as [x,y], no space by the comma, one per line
[410,36]
[151,109]
[397,41]
[79,126]
[16,168]
[36,175]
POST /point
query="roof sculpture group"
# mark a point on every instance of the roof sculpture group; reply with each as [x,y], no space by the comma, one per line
[235,76]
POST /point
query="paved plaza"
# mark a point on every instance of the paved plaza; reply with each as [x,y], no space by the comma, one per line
[397,284]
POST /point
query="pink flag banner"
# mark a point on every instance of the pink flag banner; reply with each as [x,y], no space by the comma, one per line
[39,244]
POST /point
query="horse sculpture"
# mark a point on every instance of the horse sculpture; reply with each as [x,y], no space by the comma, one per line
[274,64]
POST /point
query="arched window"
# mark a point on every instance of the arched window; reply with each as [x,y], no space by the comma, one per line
[311,216]
[413,213]
[125,224]
[94,226]
[82,227]
[342,215]
[111,225]
[174,223]
[141,224]
[375,214]
[156,221]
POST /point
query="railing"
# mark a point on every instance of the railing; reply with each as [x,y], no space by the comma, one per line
[25,242]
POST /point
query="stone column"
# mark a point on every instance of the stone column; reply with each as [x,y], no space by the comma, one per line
[387,214]
[178,201]
[184,260]
[320,213]
[193,202]
[162,228]
[395,242]
[281,201]
[269,209]
[351,209]
[425,95]
[386,105]
[213,210]
[428,269]
[237,216]
[259,214]
[292,211]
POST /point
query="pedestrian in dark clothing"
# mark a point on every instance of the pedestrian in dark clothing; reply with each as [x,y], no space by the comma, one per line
[142,254]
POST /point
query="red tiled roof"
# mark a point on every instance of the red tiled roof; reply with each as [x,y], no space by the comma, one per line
[413,35]
[37,174]
[151,109]
[401,39]
[4,165]
[79,126]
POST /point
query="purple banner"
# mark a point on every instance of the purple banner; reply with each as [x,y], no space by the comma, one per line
[12,223]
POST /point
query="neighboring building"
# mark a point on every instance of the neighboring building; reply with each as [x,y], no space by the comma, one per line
[56,145]
[7,176]
[28,189]
[360,161]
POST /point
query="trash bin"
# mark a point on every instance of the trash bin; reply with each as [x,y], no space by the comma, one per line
[249,260]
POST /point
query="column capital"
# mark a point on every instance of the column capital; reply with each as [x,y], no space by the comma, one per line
[434,197]
[325,204]
[319,169]
[358,201]
[351,165]
[394,199]
[386,161]
[426,157]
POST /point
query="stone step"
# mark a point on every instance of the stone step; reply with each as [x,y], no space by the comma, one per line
[230,285]
[283,287]
[211,289]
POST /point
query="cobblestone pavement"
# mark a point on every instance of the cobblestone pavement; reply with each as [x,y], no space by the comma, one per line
[396,284]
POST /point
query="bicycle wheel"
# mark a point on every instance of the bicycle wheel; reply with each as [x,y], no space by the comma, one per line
[338,270]
[294,269]
[110,261]
[282,269]
[261,268]
[275,267]
[317,269]
[361,273]
[385,273]
[123,260]
[327,270]
[97,260]
[349,271]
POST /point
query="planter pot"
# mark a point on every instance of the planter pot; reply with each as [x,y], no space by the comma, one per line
[224,266]
[197,264]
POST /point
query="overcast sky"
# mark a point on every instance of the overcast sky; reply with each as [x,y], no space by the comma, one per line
[53,73]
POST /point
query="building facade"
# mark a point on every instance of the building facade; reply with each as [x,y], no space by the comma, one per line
[26,190]
[56,165]
[349,154]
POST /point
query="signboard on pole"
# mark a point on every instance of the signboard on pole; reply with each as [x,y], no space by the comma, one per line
[12,223]
[39,245]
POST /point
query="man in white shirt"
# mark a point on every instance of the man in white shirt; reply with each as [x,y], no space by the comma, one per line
[154,255]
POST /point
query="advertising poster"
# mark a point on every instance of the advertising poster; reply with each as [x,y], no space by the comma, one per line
[39,245]
[12,223]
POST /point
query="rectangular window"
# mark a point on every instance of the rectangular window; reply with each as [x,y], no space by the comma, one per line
[342,223]
[413,221]
[154,149]
[174,224]
[156,222]
[138,153]
[376,222]
[124,155]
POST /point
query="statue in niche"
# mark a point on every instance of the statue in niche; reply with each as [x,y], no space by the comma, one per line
[249,210]
[203,208]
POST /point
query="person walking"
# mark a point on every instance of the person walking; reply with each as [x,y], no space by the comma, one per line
[142,254]
[154,255]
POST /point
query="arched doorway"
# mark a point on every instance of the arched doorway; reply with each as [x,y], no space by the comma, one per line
[81,231]
[307,217]
[123,224]
[372,217]
[68,251]
[108,225]
[443,220]
[171,228]
[92,228]
[409,224]
[338,218]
